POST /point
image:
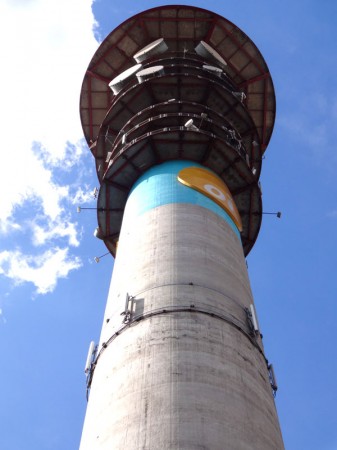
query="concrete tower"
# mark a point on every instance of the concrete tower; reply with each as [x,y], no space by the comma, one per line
[178,106]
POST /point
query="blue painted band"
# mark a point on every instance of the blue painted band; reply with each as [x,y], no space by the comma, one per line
[160,186]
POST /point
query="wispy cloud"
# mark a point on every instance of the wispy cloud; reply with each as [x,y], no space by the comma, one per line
[55,230]
[42,270]
[310,122]
[332,214]
[47,47]
[83,196]
[2,317]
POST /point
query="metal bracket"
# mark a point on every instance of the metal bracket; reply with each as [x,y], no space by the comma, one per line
[272,379]
[128,310]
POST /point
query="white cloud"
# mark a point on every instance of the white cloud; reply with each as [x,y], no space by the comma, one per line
[82,196]
[42,270]
[53,230]
[46,47]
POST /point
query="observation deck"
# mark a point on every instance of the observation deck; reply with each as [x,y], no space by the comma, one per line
[171,83]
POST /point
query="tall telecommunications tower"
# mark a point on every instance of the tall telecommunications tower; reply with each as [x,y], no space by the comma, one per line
[178,106]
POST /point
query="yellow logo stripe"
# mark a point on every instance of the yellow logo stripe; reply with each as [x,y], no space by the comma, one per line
[213,187]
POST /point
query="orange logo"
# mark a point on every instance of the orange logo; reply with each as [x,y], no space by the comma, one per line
[213,187]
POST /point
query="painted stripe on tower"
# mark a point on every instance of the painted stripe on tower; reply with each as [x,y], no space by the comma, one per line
[160,186]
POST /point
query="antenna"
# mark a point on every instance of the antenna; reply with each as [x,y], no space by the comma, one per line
[128,310]
[121,80]
[153,49]
[90,357]
[272,378]
[190,126]
[239,95]
[254,320]
[206,51]
[203,116]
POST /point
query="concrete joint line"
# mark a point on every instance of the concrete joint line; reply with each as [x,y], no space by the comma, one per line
[170,309]
[188,284]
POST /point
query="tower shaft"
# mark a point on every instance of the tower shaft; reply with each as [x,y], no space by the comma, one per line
[180,367]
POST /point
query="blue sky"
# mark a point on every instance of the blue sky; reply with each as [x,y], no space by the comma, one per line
[52,293]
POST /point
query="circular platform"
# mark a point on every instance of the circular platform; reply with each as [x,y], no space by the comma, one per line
[203,92]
